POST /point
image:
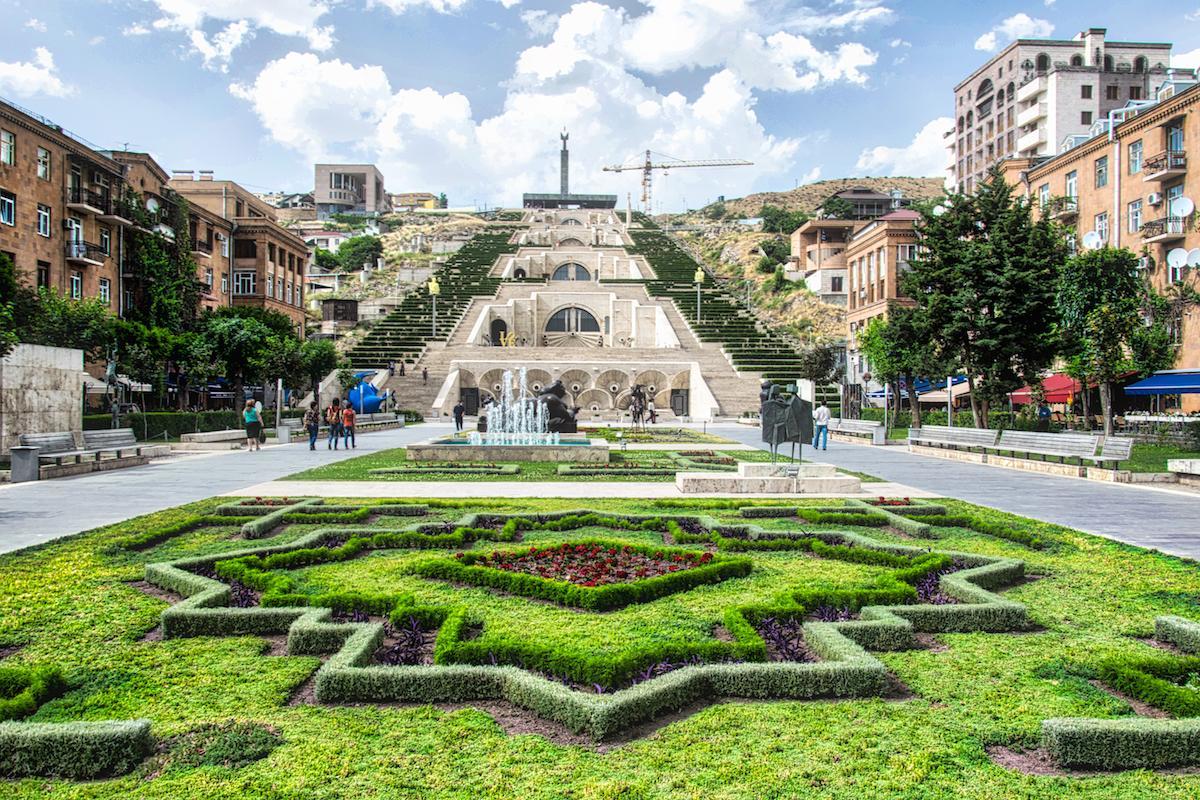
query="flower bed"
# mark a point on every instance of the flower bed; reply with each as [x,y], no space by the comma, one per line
[591,566]
[267,501]
[892,501]
[448,468]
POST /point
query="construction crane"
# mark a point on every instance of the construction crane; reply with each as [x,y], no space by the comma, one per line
[649,165]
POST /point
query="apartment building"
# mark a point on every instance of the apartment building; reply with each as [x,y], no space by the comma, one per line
[1038,93]
[1131,184]
[268,260]
[876,255]
[349,189]
[819,254]
[407,200]
[62,213]
[211,234]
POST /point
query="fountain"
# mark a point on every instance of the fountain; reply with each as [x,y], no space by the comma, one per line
[519,426]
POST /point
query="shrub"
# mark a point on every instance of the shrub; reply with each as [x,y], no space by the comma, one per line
[767,512]
[1160,680]
[23,689]
[231,744]
[1137,743]
[75,750]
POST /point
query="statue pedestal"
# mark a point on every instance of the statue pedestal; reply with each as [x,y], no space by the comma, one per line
[779,478]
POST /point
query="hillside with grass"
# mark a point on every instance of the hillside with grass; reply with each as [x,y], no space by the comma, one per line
[808,198]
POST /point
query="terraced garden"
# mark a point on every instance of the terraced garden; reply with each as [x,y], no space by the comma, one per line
[537,648]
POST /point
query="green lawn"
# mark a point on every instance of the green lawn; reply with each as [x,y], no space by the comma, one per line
[654,434]
[70,603]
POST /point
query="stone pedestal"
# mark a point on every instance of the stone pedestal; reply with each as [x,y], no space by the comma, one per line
[760,478]
[581,451]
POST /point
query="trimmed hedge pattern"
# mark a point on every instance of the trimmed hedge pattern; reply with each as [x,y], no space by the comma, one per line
[23,689]
[75,750]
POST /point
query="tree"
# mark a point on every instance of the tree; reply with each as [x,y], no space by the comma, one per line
[279,324]
[780,220]
[836,207]
[902,346]
[237,346]
[163,269]
[986,280]
[715,211]
[320,357]
[62,322]
[819,363]
[326,260]
[1100,307]
[281,359]
[766,265]
[780,282]
[8,332]
[359,250]
[443,201]
[776,248]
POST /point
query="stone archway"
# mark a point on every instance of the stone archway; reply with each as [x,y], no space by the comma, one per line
[573,327]
[571,271]
[498,330]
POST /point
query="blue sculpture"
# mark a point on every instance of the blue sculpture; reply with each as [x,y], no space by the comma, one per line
[365,398]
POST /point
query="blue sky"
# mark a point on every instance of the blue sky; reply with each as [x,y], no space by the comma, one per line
[467,96]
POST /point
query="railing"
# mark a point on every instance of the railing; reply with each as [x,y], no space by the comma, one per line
[1062,207]
[1169,160]
[1165,226]
[81,195]
[80,251]
[122,209]
[202,246]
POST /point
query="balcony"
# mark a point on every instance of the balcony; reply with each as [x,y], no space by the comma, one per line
[85,201]
[118,212]
[1167,229]
[201,248]
[1030,90]
[85,254]
[1164,166]
[1028,116]
[1062,209]
[1031,141]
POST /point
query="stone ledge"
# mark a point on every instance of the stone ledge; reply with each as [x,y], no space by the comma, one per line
[66,470]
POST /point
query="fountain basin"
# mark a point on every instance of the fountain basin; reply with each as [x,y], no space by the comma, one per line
[573,448]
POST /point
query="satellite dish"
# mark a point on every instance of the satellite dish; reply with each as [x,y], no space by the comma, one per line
[1092,240]
[1182,207]
[1194,257]
[1178,257]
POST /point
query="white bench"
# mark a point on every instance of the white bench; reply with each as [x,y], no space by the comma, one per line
[119,441]
[57,447]
[1059,445]
[945,436]
[859,427]
[1115,450]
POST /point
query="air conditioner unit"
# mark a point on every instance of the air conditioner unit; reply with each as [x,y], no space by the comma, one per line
[1155,199]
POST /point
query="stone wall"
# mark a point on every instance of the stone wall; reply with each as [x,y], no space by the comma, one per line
[41,391]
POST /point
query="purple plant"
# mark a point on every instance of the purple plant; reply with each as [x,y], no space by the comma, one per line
[408,649]
[929,588]
[241,595]
[351,615]
[335,541]
[689,525]
[785,637]
[827,613]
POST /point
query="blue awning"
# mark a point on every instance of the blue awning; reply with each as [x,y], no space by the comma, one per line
[1176,381]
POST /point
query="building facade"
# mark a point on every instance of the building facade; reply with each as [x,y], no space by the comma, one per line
[876,255]
[1037,93]
[408,200]
[1132,186]
[349,189]
[819,255]
[62,208]
[268,261]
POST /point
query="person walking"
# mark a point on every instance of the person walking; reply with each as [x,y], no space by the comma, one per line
[348,419]
[391,369]
[253,420]
[401,369]
[333,416]
[459,411]
[312,424]
[425,375]
[650,412]
[821,427]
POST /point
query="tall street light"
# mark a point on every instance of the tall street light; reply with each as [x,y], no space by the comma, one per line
[699,278]
[434,290]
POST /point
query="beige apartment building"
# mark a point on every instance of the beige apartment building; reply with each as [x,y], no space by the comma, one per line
[349,189]
[819,254]
[1133,187]
[62,216]
[268,260]
[876,256]
[1036,94]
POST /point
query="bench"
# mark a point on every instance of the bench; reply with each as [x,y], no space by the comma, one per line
[1060,445]
[118,440]
[858,427]
[946,436]
[56,447]
[1114,450]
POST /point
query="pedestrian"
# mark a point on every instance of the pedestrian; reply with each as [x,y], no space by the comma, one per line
[425,375]
[333,416]
[401,369]
[253,420]
[391,369]
[650,412]
[821,427]
[348,418]
[459,411]
[1043,417]
[312,424]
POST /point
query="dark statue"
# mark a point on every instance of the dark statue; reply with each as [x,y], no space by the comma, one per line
[784,419]
[637,406]
[560,418]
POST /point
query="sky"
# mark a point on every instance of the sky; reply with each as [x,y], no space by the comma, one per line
[467,97]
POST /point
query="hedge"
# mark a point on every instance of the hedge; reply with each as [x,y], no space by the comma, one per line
[920,530]
[1183,633]
[767,512]
[1155,680]
[24,688]
[467,469]
[153,424]
[75,750]
[1136,743]
[583,469]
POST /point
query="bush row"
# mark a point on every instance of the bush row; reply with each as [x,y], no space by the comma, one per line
[1156,680]
[74,750]
[260,527]
[914,528]
[581,469]
[767,512]
[153,536]
[1136,743]
[464,469]
[1183,633]
[24,688]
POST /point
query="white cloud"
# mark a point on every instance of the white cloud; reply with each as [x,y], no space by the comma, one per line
[1018,26]
[811,176]
[95,40]
[925,155]
[1050,3]
[838,15]
[35,24]
[440,6]
[1188,60]
[217,52]
[29,78]
[1193,16]
[900,43]
[539,21]
[136,29]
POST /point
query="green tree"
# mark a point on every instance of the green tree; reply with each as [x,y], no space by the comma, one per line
[281,359]
[237,345]
[326,260]
[443,201]
[819,363]
[780,282]
[359,250]
[62,322]
[776,248]
[1100,308]
[320,357]
[8,330]
[836,207]
[22,301]
[900,346]
[162,269]
[766,265]
[279,324]
[986,282]
[780,220]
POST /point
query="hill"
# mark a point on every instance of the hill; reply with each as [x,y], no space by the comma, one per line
[809,196]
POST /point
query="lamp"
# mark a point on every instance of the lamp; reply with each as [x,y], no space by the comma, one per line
[699,278]
[435,289]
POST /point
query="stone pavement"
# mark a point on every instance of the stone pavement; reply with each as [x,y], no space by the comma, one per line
[36,512]
[1164,519]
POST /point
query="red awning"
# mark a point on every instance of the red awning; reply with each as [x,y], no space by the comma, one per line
[1059,388]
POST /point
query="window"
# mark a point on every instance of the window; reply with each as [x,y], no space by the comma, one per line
[1135,93]
[289,292]
[43,220]
[572,320]
[1135,216]
[244,282]
[245,248]
[1112,92]
[1077,61]
[271,253]
[105,291]
[1085,91]
[8,148]
[105,239]
[1135,157]
[835,284]
[43,274]
[1175,136]
[43,163]
[128,300]
[571,272]
[1072,184]
[1101,226]
[224,283]
[225,246]
[1085,118]
[1044,195]
[76,285]
[208,278]
[1101,172]
[8,208]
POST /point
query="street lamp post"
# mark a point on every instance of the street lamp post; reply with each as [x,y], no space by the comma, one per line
[434,290]
[699,278]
